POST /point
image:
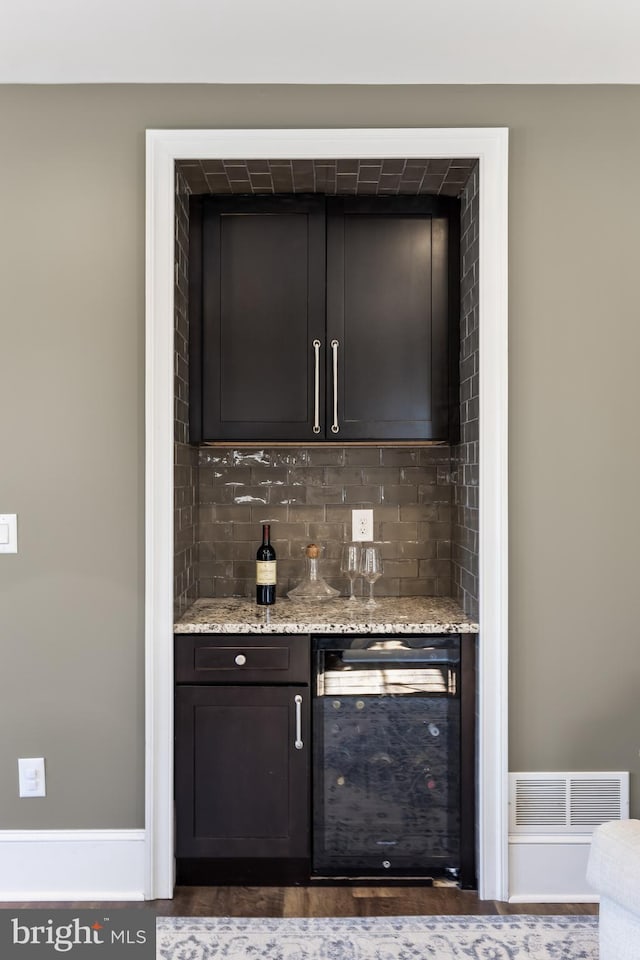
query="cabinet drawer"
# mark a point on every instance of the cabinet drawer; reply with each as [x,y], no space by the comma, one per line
[242,659]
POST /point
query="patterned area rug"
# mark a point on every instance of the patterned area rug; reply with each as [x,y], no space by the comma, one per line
[379,938]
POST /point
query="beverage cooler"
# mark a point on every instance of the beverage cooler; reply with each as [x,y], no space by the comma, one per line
[393,757]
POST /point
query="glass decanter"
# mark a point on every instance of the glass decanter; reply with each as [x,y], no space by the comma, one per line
[313,587]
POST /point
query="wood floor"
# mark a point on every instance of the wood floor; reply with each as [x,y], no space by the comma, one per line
[327,901]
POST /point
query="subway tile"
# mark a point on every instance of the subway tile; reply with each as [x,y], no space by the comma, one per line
[433,530]
[401,568]
[235,512]
[443,475]
[331,553]
[289,458]
[244,570]
[344,476]
[418,511]
[303,182]
[325,456]
[443,549]
[389,183]
[393,166]
[401,494]
[346,182]
[208,457]
[380,475]
[361,456]
[321,532]
[438,166]
[385,587]
[230,587]
[409,549]
[268,475]
[326,494]
[306,513]
[287,532]
[213,569]
[251,495]
[399,531]
[435,568]
[409,187]
[261,182]
[444,587]
[398,457]
[289,495]
[306,476]
[436,454]
[367,187]
[362,496]
[436,493]
[210,166]
[415,168]
[417,588]
[252,531]
[339,512]
[232,550]
[428,474]
[218,183]
[213,494]
[271,514]
[258,166]
[221,474]
[385,513]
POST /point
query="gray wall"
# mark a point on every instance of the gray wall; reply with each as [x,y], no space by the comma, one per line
[71,417]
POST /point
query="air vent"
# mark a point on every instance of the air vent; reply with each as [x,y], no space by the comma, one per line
[566,802]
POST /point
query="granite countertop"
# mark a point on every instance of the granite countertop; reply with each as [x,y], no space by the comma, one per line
[390,615]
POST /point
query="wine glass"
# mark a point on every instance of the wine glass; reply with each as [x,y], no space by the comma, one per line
[350,564]
[371,569]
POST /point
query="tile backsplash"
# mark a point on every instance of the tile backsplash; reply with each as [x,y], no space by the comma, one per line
[424,499]
[185,478]
[307,494]
[465,455]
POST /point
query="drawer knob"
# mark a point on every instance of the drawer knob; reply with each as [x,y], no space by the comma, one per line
[240,660]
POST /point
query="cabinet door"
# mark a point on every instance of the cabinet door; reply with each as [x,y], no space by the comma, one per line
[241,783]
[262,307]
[392,307]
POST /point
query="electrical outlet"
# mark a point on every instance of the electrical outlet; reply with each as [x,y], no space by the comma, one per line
[31,782]
[362,524]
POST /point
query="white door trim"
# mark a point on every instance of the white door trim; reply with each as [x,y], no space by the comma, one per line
[164,147]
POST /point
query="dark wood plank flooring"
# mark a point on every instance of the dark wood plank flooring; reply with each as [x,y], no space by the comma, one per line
[326,901]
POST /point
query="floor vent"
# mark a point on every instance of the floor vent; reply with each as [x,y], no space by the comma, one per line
[547,803]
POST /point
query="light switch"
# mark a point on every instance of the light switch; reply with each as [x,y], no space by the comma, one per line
[8,533]
[31,777]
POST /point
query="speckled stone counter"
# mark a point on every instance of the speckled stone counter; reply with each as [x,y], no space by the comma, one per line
[390,615]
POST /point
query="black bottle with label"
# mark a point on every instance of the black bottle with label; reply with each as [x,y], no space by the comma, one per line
[265,570]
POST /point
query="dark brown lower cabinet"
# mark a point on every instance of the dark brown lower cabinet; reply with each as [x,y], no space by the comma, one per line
[242,777]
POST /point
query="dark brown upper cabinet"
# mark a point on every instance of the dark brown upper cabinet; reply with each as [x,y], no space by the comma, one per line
[316,319]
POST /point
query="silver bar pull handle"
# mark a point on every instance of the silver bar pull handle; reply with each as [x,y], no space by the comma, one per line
[298,744]
[334,426]
[316,387]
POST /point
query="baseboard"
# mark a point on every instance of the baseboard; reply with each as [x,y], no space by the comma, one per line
[67,865]
[549,869]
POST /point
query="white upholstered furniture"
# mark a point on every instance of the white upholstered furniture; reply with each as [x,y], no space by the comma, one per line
[614,872]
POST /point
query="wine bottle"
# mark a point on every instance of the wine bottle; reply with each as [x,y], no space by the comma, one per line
[266,570]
